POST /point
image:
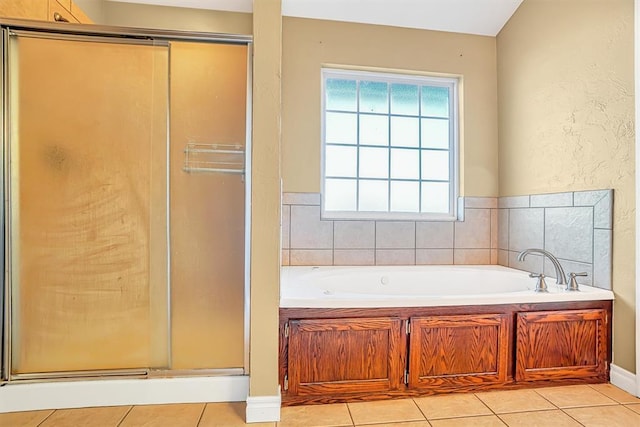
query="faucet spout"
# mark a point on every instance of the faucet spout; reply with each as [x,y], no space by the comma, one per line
[561,279]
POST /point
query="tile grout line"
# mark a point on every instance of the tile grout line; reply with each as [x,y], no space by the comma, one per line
[126,414]
[413,399]
[204,407]
[46,418]
[353,422]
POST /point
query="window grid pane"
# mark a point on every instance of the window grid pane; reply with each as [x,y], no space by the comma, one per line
[404,145]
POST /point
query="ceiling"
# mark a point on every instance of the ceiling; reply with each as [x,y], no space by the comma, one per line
[483,17]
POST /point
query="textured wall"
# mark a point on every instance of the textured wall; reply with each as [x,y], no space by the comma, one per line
[265,199]
[309,44]
[173,18]
[566,108]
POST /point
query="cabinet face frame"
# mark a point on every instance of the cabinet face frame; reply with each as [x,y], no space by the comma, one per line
[457,343]
[534,326]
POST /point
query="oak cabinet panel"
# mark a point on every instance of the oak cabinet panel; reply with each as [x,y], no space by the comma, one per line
[561,344]
[458,350]
[344,355]
[43,10]
[58,13]
[330,355]
[24,9]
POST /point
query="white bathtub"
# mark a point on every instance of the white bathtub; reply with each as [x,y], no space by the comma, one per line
[419,286]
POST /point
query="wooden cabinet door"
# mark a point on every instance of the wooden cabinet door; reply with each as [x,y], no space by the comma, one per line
[345,355]
[58,13]
[561,344]
[24,9]
[458,351]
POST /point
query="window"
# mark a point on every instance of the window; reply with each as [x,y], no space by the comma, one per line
[389,145]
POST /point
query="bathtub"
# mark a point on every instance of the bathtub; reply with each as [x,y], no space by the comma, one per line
[419,286]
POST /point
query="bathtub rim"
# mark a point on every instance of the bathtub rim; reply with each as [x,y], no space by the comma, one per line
[292,296]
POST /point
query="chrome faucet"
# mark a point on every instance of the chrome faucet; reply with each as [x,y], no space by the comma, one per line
[561,279]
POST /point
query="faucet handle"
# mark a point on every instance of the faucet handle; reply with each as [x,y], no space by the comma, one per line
[573,283]
[541,285]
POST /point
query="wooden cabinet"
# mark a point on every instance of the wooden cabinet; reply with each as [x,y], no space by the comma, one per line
[352,354]
[43,10]
[328,356]
[458,351]
[561,344]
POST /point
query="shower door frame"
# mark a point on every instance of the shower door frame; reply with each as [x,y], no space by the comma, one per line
[122,35]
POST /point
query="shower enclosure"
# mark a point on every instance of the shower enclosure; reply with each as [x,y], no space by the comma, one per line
[125,189]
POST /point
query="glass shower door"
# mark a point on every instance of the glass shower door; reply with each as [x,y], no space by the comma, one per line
[208,124]
[88,210]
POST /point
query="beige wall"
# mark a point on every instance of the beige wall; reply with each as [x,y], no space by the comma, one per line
[265,198]
[308,44]
[566,108]
[174,18]
[94,9]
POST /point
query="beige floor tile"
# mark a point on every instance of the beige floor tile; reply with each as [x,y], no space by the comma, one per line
[108,416]
[24,419]
[174,415]
[484,421]
[227,414]
[574,396]
[634,407]
[615,393]
[385,411]
[605,416]
[555,418]
[336,414]
[502,402]
[407,424]
[451,406]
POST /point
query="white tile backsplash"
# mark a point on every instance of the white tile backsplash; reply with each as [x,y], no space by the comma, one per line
[310,257]
[577,233]
[312,199]
[286,226]
[575,226]
[354,234]
[569,267]
[503,229]
[603,212]
[602,243]
[474,231]
[308,231]
[551,200]
[481,202]
[395,256]
[568,233]
[526,228]
[354,257]
[395,235]
[472,256]
[513,202]
[434,235]
[434,256]
[532,262]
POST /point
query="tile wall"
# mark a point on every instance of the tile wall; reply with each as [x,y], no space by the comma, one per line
[309,240]
[576,227]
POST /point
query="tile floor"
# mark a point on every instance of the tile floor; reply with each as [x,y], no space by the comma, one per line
[582,405]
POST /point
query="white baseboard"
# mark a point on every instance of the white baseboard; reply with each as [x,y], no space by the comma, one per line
[263,409]
[623,379]
[81,394]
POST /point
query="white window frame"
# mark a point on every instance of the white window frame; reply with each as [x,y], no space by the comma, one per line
[454,145]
